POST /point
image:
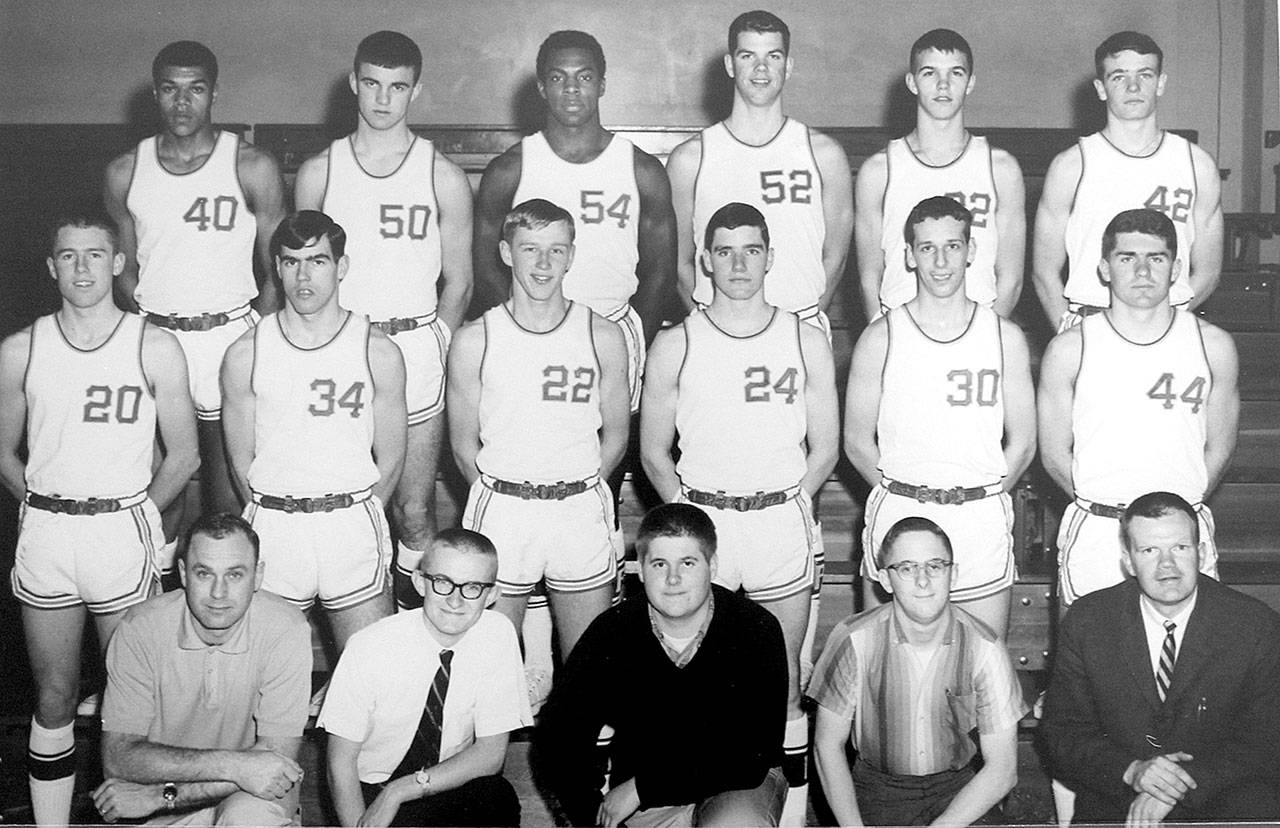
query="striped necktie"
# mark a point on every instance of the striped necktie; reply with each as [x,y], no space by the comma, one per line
[424,750]
[1168,655]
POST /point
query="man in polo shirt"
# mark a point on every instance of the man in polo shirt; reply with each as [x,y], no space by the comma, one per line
[907,683]
[421,704]
[207,694]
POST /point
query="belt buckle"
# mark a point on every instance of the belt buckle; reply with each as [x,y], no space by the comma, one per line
[560,490]
[926,495]
[179,323]
[720,500]
[528,491]
[289,505]
[952,497]
[753,502]
[93,506]
[328,503]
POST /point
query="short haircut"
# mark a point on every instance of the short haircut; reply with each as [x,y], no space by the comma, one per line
[943,40]
[84,218]
[1157,505]
[297,230]
[568,39]
[534,214]
[914,523]
[733,215]
[390,50]
[218,526]
[185,53]
[761,22]
[1144,221]
[676,520]
[1126,42]
[936,207]
[463,540]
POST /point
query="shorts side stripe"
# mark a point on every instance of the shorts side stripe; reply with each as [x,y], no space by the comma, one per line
[1066,593]
[375,587]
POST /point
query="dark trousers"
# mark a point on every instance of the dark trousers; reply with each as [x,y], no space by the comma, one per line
[898,799]
[488,800]
[1254,800]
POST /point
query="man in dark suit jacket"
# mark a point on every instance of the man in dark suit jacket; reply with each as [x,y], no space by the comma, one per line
[1139,742]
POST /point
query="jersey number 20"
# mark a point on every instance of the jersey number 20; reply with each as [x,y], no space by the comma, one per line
[98,408]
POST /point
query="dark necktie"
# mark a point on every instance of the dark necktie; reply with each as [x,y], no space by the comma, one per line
[1168,655]
[424,750]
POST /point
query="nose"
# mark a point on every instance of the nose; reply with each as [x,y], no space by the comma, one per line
[454,599]
[219,587]
[1133,83]
[82,264]
[922,575]
[739,262]
[1142,267]
[544,259]
[673,576]
[384,95]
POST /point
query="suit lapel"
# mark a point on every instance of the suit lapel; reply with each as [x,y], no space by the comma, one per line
[1133,648]
[1198,641]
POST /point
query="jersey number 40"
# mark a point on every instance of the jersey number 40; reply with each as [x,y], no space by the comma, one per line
[220,216]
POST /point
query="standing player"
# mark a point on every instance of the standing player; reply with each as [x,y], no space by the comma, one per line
[940,415]
[1130,163]
[407,212]
[797,177]
[190,203]
[537,421]
[751,393]
[316,432]
[91,383]
[1141,397]
[940,156]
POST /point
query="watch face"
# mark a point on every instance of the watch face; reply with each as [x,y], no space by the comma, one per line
[422,778]
[170,793]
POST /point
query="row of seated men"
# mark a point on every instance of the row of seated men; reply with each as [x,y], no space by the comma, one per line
[327,415]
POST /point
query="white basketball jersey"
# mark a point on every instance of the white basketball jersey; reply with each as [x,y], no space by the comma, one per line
[313,418]
[393,231]
[539,399]
[91,418]
[604,199]
[1139,419]
[941,419]
[740,407]
[782,180]
[1110,182]
[195,233]
[969,180]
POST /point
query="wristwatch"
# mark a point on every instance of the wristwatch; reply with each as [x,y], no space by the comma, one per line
[170,795]
[423,777]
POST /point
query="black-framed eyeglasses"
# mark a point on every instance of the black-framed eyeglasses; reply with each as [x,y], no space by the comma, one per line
[442,585]
[909,569]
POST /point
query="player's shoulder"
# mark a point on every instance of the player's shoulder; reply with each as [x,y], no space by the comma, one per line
[646,165]
[1214,337]
[241,348]
[827,151]
[688,153]
[157,339]
[319,162]
[605,330]
[1011,332]
[669,343]
[507,162]
[469,337]
[119,170]
[1004,161]
[16,346]
[1067,162]
[875,164]
[1064,350]
[252,160]
[812,338]
[875,335]
[381,348]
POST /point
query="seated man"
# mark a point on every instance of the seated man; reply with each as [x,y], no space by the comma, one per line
[692,679]
[1165,698]
[409,749]
[207,694]
[908,683]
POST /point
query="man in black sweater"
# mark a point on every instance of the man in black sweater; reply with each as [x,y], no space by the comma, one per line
[691,679]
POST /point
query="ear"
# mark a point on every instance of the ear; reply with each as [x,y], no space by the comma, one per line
[1160,82]
[768,261]
[182,572]
[213,94]
[601,94]
[504,251]
[343,264]
[1126,563]
[417,90]
[728,64]
[542,89]
[420,584]
[973,249]
[909,256]
[706,261]
[791,65]
[258,572]
[1175,271]
[117,264]
[352,82]
[911,84]
[54,271]
[713,564]
[1100,88]
[885,579]
[573,249]
[968,89]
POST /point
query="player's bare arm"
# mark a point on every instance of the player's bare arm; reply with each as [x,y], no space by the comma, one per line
[822,409]
[1019,403]
[837,210]
[1223,405]
[311,182]
[862,400]
[238,410]
[830,756]
[453,200]
[493,201]
[1206,217]
[390,417]
[462,397]
[873,177]
[1011,225]
[115,192]
[165,368]
[341,757]
[14,352]
[615,395]
[682,170]
[1049,246]
[998,776]
[1058,371]
[658,411]
[264,193]
[656,245]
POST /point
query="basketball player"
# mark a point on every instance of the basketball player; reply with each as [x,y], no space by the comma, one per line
[92,384]
[407,211]
[537,399]
[315,417]
[751,393]
[797,177]
[191,203]
[1130,163]
[1140,397]
[618,194]
[940,156]
[940,415]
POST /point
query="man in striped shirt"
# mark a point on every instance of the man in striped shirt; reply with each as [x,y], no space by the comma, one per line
[908,683]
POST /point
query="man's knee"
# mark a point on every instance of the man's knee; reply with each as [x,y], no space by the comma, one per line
[245,809]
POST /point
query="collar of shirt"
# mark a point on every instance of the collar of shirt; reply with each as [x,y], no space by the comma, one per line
[189,638]
[898,635]
[683,657]
[1153,626]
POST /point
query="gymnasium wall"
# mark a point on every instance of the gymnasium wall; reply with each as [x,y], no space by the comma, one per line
[66,61]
